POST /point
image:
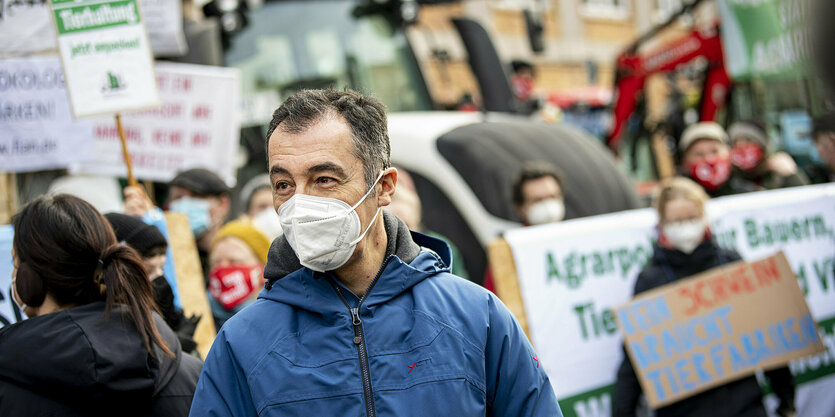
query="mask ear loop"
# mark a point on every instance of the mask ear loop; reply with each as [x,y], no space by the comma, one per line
[377,213]
[370,189]
[21,307]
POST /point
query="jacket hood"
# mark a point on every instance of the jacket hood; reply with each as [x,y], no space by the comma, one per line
[78,356]
[410,258]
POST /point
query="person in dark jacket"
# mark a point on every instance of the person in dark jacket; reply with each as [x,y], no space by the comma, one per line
[685,248]
[360,316]
[92,345]
[754,159]
[151,245]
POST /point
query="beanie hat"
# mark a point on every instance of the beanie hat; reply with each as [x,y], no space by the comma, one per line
[135,233]
[702,130]
[751,131]
[245,231]
[201,182]
[257,183]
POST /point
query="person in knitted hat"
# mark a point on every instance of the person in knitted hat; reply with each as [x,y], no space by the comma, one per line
[753,159]
[705,158]
[257,206]
[152,246]
[237,258]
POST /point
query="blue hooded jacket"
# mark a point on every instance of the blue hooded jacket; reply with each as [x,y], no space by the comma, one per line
[424,343]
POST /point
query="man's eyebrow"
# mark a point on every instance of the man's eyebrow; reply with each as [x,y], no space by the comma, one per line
[329,167]
[275,170]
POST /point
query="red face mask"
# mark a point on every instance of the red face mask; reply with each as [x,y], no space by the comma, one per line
[746,156]
[711,173]
[232,285]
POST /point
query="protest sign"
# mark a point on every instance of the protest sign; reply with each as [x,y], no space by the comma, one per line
[164,22]
[196,126]
[37,130]
[190,280]
[106,56]
[25,27]
[718,326]
[572,275]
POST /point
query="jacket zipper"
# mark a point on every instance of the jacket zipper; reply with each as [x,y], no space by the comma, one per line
[359,339]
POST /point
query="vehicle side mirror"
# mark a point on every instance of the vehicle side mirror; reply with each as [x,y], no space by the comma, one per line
[535,28]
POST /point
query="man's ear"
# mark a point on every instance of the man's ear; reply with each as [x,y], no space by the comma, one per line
[387,185]
[520,212]
[224,205]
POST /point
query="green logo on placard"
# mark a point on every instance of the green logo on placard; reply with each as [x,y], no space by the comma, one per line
[113,83]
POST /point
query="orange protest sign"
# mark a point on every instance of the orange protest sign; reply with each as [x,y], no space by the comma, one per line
[715,327]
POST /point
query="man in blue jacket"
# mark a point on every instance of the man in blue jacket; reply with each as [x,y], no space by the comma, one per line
[360,316]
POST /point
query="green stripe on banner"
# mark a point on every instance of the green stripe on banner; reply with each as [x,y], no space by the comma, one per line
[594,403]
[96,16]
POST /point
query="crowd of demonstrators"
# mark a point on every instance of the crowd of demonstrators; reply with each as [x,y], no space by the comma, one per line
[92,344]
[823,134]
[753,156]
[684,248]
[236,264]
[406,204]
[706,158]
[151,245]
[344,265]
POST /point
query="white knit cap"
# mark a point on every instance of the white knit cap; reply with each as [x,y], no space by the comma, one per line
[702,130]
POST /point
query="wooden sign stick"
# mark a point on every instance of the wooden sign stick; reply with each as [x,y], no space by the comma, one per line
[131,179]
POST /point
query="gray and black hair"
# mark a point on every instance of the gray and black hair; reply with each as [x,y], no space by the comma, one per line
[365,115]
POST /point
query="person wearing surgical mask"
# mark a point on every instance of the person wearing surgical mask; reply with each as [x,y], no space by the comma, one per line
[204,198]
[359,315]
[538,194]
[753,158]
[257,206]
[685,248]
[706,159]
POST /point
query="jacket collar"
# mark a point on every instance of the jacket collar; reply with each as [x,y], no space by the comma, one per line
[411,257]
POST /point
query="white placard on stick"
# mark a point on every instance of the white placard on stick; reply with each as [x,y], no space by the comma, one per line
[197,125]
[106,55]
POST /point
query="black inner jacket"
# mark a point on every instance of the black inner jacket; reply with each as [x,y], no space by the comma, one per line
[77,359]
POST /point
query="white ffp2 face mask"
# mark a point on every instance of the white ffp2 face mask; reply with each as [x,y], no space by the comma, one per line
[685,235]
[546,211]
[323,231]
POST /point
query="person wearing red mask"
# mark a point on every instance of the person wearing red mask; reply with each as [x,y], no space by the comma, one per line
[685,248]
[706,159]
[752,159]
[236,260]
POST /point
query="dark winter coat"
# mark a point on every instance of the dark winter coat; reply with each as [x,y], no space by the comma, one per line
[76,363]
[740,398]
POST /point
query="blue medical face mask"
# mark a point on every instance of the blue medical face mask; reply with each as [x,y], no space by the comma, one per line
[197,211]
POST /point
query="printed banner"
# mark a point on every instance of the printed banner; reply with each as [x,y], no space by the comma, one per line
[573,274]
[196,126]
[164,21]
[765,38]
[703,331]
[25,27]
[37,131]
[106,56]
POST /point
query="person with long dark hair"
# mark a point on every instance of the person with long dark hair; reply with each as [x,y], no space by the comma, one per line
[92,344]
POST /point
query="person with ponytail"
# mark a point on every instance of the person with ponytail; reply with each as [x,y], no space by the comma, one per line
[92,345]
[684,248]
